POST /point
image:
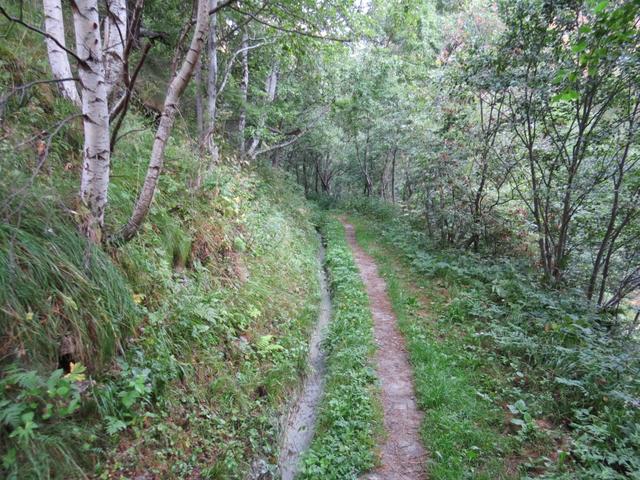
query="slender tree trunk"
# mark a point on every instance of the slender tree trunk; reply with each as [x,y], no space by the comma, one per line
[244,87]
[199,106]
[212,84]
[393,176]
[96,155]
[175,90]
[58,59]
[304,177]
[115,39]
[270,87]
[613,216]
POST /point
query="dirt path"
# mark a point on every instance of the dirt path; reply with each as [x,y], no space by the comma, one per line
[402,455]
[300,423]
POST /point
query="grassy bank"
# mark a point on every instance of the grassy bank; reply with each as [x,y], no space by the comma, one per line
[349,418]
[516,380]
[170,356]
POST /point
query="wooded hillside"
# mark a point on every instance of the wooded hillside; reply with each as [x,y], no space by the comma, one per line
[169,170]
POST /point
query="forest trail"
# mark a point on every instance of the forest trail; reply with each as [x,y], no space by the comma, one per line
[402,455]
[301,420]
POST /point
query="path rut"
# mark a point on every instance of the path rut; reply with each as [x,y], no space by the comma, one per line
[402,455]
[301,420]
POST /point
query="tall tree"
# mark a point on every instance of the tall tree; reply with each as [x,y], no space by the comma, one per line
[94,182]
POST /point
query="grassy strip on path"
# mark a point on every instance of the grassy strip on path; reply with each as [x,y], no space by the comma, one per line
[349,418]
[462,429]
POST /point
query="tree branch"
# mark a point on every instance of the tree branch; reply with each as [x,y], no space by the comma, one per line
[289,30]
[43,33]
[220,6]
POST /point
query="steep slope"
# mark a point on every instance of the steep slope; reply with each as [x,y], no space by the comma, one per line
[169,356]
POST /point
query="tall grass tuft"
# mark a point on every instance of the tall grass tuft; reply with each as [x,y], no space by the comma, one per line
[55,289]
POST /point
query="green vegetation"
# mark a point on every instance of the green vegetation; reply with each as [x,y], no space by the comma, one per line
[158,271]
[461,430]
[182,345]
[349,418]
[515,379]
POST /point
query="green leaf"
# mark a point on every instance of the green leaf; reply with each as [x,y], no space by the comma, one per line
[115,425]
[566,96]
[601,6]
[581,46]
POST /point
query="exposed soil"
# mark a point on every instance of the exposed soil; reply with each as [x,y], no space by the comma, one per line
[402,455]
[300,423]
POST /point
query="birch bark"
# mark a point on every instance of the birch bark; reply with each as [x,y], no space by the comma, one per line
[271,85]
[58,59]
[244,86]
[96,155]
[115,39]
[212,82]
[174,92]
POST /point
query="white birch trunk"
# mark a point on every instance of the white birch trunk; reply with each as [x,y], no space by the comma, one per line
[244,86]
[175,90]
[199,105]
[96,156]
[212,83]
[115,39]
[58,59]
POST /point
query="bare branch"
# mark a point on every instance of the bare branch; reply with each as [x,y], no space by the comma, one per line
[43,33]
[292,31]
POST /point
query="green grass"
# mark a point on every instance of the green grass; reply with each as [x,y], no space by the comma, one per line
[555,376]
[462,430]
[193,335]
[349,417]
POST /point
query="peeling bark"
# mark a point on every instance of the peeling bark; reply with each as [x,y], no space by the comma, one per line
[96,155]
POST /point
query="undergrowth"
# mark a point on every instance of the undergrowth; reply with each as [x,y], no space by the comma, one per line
[462,430]
[349,417]
[170,356]
[565,376]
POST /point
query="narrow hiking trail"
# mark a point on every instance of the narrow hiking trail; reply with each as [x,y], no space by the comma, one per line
[402,455]
[300,422]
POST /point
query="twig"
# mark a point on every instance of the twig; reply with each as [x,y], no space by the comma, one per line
[220,6]
[292,31]
[124,105]
[41,161]
[26,86]
[43,33]
[129,132]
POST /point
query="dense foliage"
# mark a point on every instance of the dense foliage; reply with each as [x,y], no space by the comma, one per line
[511,129]
[157,259]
